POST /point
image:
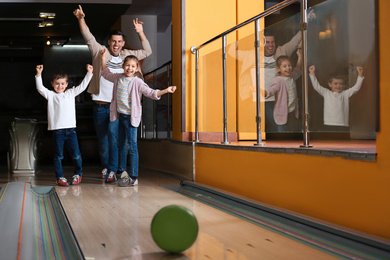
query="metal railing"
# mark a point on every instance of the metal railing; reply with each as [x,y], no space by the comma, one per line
[256,19]
[162,106]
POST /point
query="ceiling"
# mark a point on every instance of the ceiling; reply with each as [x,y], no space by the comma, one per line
[19,20]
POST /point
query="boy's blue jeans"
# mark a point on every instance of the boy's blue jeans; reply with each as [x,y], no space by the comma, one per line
[127,132]
[107,134]
[67,137]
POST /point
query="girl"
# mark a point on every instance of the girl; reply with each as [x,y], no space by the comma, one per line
[286,112]
[126,105]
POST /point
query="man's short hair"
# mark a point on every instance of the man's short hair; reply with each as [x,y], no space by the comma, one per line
[116,32]
[268,32]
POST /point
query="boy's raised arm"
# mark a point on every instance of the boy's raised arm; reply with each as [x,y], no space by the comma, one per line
[312,69]
[89,68]
[360,71]
[39,70]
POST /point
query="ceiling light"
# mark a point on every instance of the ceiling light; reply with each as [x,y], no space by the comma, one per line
[45,24]
[47,15]
[48,42]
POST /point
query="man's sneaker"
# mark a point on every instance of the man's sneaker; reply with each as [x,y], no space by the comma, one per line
[124,174]
[134,182]
[104,174]
[62,182]
[111,177]
[76,179]
[123,182]
[127,181]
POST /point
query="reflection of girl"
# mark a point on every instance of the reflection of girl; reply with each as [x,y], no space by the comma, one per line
[283,88]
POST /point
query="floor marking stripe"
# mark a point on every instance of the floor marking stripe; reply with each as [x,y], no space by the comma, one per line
[21,223]
[3,192]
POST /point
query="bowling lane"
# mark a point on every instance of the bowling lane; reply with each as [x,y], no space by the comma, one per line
[111,222]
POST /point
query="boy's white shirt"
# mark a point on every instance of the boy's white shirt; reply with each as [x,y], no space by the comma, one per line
[61,109]
[336,105]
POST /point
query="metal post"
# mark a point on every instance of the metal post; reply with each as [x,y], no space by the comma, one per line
[225,135]
[258,109]
[305,112]
[168,102]
[193,50]
[142,128]
[154,109]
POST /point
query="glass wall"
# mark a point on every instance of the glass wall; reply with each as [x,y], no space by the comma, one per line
[157,115]
[342,65]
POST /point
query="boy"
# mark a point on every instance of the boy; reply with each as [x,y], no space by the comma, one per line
[336,100]
[61,117]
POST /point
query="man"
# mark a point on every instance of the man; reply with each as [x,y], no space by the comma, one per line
[101,89]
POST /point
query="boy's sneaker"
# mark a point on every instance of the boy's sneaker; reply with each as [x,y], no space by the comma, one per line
[104,174]
[62,182]
[76,179]
[111,177]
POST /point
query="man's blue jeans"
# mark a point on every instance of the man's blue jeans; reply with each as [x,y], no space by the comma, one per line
[107,134]
[129,133]
[69,138]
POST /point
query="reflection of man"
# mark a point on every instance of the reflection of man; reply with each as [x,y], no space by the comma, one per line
[247,80]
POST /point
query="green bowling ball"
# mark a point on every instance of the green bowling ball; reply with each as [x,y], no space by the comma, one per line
[174,228]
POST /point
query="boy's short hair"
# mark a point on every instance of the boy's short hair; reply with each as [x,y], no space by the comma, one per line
[59,75]
[336,76]
[116,32]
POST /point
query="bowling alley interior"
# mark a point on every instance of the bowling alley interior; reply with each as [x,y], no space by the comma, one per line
[245,160]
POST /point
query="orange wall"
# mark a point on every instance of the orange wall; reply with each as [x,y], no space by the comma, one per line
[204,20]
[350,193]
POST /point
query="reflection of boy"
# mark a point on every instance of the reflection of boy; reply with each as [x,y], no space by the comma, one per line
[336,100]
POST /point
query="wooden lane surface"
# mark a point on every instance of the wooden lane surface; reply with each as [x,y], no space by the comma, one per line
[111,222]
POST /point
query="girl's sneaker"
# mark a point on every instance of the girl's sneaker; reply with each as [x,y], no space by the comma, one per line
[76,179]
[111,177]
[62,182]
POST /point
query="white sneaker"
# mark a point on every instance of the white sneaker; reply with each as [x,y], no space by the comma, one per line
[111,177]
[124,175]
[104,173]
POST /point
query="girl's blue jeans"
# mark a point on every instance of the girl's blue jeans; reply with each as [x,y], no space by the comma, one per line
[127,134]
